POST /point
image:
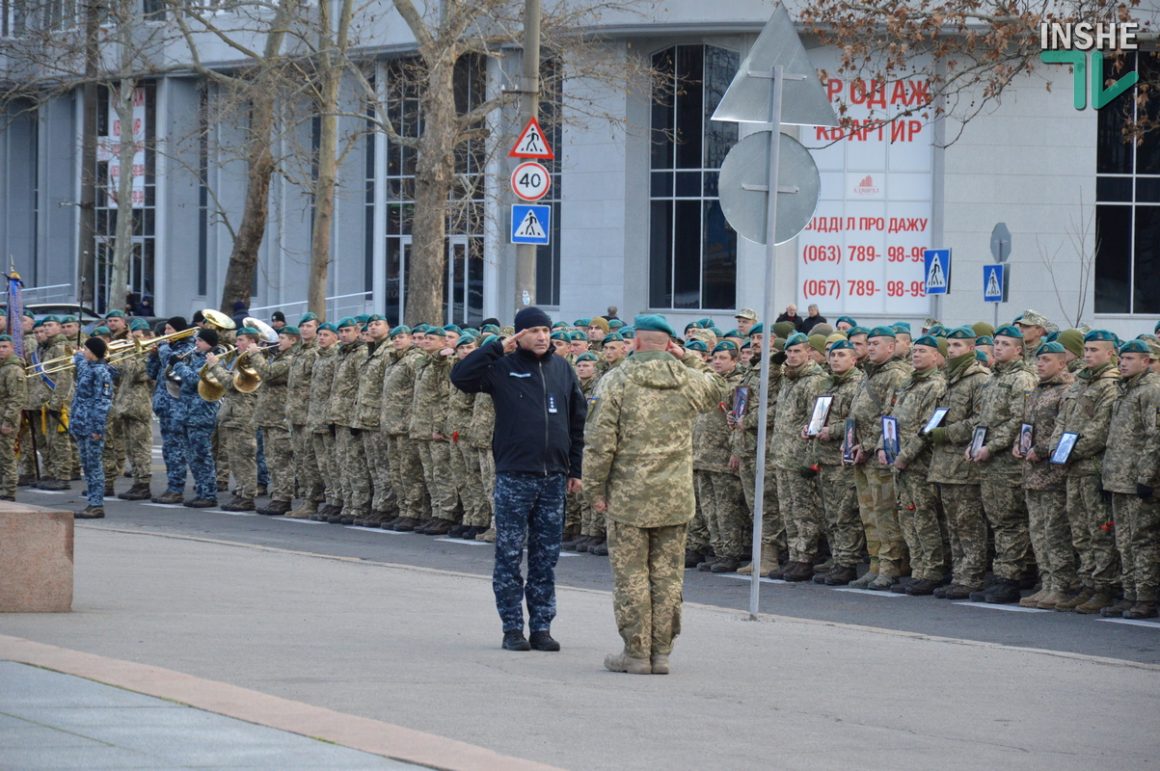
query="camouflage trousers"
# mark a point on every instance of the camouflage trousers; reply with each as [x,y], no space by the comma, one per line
[573,513]
[436,459]
[1051,539]
[1005,505]
[383,498]
[113,455]
[239,446]
[306,465]
[487,476]
[1088,512]
[356,480]
[137,442]
[221,461]
[698,536]
[175,454]
[280,461]
[967,528]
[878,507]
[723,504]
[27,456]
[93,466]
[921,524]
[529,512]
[407,477]
[592,522]
[9,465]
[199,454]
[469,486]
[57,448]
[1138,539]
[802,515]
[648,576]
[325,459]
[772,523]
[840,504]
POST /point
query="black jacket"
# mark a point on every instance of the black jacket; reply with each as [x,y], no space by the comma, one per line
[539,408]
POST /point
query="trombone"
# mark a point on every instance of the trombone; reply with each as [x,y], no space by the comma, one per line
[119,350]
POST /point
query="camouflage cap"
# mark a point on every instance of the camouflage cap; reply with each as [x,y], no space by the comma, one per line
[1136,346]
[1009,330]
[882,331]
[961,333]
[1050,348]
[746,313]
[1030,318]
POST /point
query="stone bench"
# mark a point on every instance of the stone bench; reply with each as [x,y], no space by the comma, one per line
[36,559]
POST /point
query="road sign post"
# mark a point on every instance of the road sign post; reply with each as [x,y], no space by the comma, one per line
[995,286]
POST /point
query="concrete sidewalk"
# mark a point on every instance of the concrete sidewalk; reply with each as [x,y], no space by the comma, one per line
[419,649]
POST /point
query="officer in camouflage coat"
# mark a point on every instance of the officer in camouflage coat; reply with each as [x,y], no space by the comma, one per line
[428,419]
[324,461]
[297,415]
[237,434]
[353,479]
[270,416]
[406,467]
[368,411]
[13,395]
[91,402]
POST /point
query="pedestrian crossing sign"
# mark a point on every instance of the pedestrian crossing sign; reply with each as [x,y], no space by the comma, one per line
[938,270]
[531,224]
[994,283]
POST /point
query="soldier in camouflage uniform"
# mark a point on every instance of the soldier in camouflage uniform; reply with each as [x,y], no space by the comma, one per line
[89,419]
[591,529]
[1087,412]
[170,411]
[37,395]
[130,415]
[835,476]
[297,414]
[918,506]
[1033,325]
[323,460]
[877,498]
[482,428]
[465,467]
[13,395]
[639,459]
[1044,483]
[197,421]
[368,412]
[1131,473]
[958,480]
[270,417]
[428,416]
[54,412]
[236,431]
[1001,406]
[354,480]
[405,464]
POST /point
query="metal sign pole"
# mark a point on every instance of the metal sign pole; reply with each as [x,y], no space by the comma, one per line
[767,337]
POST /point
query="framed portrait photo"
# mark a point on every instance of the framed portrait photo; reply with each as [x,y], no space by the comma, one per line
[936,419]
[1063,449]
[850,442]
[1026,438]
[891,444]
[740,401]
[821,412]
[978,440]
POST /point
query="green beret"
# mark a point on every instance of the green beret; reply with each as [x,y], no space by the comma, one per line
[421,329]
[731,333]
[582,322]
[852,331]
[328,326]
[615,324]
[985,340]
[1101,336]
[1072,340]
[614,337]
[402,329]
[696,345]
[1009,330]
[901,327]
[374,317]
[589,356]
[797,338]
[846,319]
[1136,346]
[882,331]
[783,328]
[436,331]
[705,323]
[38,324]
[489,329]
[5,338]
[116,313]
[252,332]
[818,343]
[137,324]
[362,318]
[308,316]
[653,322]
[290,329]
[488,339]
[564,336]
[691,325]
[938,330]
[577,335]
[466,340]
[981,356]
[560,324]
[757,329]
[1051,337]
[725,345]
[842,345]
[48,319]
[453,328]
[29,314]
[628,333]
[102,330]
[962,333]
[348,321]
[1050,348]
[73,319]
[983,329]
[1156,329]
[930,341]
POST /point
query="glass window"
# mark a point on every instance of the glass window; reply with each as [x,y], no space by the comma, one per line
[548,257]
[692,249]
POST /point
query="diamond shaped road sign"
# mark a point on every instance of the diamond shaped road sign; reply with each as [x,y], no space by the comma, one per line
[804,101]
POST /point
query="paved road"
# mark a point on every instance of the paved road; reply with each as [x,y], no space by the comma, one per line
[1127,640]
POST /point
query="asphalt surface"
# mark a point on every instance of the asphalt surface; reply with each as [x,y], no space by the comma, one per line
[1137,641]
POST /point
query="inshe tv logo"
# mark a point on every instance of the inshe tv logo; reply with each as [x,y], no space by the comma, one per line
[1070,44]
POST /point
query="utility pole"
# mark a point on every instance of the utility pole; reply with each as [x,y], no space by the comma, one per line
[529,108]
[87,208]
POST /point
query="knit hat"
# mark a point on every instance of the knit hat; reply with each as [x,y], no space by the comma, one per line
[983,329]
[98,346]
[178,323]
[599,321]
[209,335]
[1072,340]
[818,343]
[531,317]
[783,328]
[278,316]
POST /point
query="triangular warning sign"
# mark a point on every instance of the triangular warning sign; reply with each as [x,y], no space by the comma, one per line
[532,143]
[530,226]
[936,279]
[993,288]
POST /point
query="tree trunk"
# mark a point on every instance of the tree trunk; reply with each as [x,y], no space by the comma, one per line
[434,176]
[123,243]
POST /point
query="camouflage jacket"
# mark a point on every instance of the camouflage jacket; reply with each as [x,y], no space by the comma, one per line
[744,442]
[1133,454]
[873,400]
[14,391]
[1041,411]
[712,437]
[92,399]
[795,403]
[482,422]
[460,408]
[131,398]
[965,380]
[298,382]
[913,405]
[194,410]
[843,388]
[38,390]
[274,370]
[1001,405]
[638,449]
[399,392]
[344,387]
[432,391]
[237,408]
[369,399]
[1087,411]
[321,382]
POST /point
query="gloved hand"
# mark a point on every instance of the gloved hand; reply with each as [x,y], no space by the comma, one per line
[1144,492]
[938,436]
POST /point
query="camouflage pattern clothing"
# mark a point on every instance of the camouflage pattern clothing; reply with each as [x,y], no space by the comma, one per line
[198,419]
[1133,459]
[354,479]
[1045,488]
[368,410]
[1001,404]
[465,459]
[800,388]
[13,396]
[54,416]
[1086,410]
[237,432]
[577,514]
[406,467]
[130,413]
[529,510]
[918,505]
[835,481]
[719,494]
[428,418]
[169,410]
[89,415]
[321,462]
[298,383]
[744,447]
[638,458]
[270,417]
[479,436]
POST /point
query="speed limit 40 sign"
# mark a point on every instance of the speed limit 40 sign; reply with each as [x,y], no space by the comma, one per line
[531,181]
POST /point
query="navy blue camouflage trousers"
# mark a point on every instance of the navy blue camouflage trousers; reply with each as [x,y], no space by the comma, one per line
[198,443]
[174,452]
[92,454]
[529,510]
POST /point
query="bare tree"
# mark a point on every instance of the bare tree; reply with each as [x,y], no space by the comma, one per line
[1080,240]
